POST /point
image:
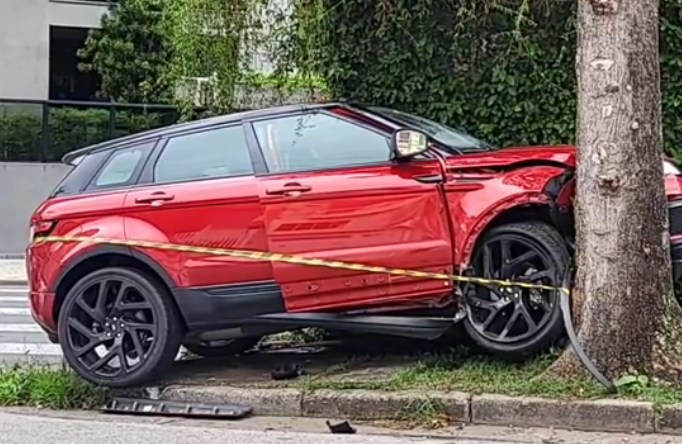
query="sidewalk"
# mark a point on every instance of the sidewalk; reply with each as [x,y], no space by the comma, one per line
[12,271]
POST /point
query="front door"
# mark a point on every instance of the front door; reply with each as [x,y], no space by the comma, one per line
[332,193]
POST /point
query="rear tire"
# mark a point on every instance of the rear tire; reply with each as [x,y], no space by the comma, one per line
[515,323]
[222,348]
[117,316]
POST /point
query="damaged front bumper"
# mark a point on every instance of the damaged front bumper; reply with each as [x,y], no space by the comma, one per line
[675,221]
[676,252]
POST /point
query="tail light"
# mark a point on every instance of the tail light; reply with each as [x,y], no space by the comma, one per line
[41,228]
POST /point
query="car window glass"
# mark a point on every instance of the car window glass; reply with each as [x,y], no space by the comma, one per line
[317,141]
[120,168]
[214,153]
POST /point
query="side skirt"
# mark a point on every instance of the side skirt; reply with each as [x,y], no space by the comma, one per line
[254,309]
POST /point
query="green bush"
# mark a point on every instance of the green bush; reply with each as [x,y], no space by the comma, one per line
[22,137]
[41,385]
[502,69]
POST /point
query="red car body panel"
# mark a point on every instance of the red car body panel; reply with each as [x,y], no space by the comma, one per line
[85,215]
[375,215]
[473,210]
[221,213]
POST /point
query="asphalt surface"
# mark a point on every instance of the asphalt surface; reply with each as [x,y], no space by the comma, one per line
[20,429]
[36,426]
[20,338]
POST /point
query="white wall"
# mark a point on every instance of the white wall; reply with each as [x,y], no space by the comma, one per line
[24,186]
[75,13]
[24,41]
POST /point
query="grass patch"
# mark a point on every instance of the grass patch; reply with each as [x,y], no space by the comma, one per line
[55,387]
[467,372]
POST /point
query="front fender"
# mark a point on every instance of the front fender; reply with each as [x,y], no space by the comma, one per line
[504,192]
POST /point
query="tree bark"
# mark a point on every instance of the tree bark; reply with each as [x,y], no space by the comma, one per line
[624,294]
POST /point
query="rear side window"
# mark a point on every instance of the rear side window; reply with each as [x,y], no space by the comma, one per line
[122,167]
[221,152]
[78,176]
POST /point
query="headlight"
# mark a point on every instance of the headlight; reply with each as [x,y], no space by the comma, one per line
[670,168]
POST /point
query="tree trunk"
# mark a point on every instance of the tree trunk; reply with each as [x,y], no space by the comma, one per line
[624,295]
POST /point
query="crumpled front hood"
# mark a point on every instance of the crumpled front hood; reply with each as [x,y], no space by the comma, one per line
[507,156]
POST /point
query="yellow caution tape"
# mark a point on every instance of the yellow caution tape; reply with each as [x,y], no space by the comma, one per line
[302,260]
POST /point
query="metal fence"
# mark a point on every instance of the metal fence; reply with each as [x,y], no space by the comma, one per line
[43,131]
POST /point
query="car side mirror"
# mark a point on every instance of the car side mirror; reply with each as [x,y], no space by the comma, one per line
[407,143]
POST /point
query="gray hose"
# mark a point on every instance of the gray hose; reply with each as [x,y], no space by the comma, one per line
[565,306]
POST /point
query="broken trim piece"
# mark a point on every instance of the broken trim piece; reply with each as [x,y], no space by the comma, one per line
[160,407]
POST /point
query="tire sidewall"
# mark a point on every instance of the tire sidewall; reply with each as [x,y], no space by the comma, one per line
[164,319]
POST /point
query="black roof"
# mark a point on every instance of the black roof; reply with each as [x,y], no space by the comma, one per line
[198,124]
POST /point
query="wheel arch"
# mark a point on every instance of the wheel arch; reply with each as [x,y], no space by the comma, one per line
[106,256]
[552,203]
[523,211]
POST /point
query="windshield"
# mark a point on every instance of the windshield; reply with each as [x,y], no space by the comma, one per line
[451,137]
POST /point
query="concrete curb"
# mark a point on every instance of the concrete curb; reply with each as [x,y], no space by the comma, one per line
[602,415]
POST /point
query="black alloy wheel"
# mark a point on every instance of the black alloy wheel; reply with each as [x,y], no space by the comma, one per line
[515,322]
[118,328]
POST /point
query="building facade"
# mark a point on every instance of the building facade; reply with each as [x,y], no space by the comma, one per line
[27,29]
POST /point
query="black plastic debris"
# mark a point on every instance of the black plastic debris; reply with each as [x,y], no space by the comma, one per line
[287,371]
[158,407]
[341,428]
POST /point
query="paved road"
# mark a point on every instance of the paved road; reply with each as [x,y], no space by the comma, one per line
[30,426]
[34,430]
[20,338]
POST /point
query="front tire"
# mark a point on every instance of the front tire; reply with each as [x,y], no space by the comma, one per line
[119,328]
[511,322]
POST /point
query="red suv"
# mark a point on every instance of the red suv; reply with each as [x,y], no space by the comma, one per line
[333,181]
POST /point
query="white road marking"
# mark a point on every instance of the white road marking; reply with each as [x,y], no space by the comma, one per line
[13,299]
[20,328]
[15,311]
[30,349]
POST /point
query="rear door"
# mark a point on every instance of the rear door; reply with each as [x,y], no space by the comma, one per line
[330,192]
[200,191]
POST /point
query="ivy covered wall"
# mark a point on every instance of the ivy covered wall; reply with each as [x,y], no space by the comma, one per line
[503,69]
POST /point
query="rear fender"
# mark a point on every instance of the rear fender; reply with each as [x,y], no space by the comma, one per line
[49,257]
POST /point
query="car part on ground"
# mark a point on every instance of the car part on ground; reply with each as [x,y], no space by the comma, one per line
[341,427]
[287,371]
[158,407]
[579,350]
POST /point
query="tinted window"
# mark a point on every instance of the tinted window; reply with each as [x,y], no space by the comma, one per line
[79,175]
[219,152]
[445,134]
[318,141]
[121,167]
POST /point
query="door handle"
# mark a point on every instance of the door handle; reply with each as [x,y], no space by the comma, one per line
[429,178]
[463,186]
[289,188]
[154,197]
